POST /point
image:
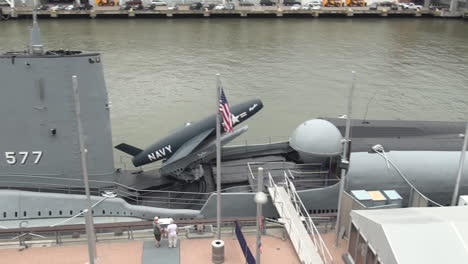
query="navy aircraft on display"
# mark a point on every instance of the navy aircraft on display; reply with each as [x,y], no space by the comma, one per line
[190,143]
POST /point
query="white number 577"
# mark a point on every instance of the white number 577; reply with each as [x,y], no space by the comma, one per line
[11,159]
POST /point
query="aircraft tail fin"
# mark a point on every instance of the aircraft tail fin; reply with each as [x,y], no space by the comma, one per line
[131,150]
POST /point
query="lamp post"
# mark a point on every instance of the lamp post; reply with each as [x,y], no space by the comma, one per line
[260,200]
[84,169]
[344,161]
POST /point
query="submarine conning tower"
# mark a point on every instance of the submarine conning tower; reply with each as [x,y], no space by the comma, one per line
[38,132]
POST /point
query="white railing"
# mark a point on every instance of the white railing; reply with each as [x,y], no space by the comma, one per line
[300,247]
[304,246]
[258,141]
[75,186]
[310,226]
[306,179]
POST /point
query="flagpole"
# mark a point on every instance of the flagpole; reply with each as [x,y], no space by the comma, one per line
[218,157]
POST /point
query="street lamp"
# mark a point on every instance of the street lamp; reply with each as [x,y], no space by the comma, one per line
[344,161]
[260,199]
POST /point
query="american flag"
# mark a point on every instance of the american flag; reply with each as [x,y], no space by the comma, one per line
[225,112]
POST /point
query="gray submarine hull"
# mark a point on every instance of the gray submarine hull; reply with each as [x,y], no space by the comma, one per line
[39,159]
[433,173]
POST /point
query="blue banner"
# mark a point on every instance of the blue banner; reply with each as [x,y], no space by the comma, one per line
[243,244]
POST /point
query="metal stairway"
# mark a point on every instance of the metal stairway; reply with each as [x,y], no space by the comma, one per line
[304,235]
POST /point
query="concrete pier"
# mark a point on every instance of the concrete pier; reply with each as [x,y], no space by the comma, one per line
[241,12]
[92,14]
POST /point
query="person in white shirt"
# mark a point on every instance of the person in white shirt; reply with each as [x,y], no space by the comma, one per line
[172,234]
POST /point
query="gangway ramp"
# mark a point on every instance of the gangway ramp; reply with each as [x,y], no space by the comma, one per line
[304,235]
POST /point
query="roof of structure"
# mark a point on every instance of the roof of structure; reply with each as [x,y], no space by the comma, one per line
[416,235]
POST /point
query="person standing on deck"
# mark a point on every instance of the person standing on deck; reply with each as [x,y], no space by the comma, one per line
[157,230]
[172,234]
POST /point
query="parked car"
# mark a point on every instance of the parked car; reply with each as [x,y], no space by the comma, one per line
[392,5]
[314,5]
[245,3]
[295,7]
[209,6]
[196,6]
[230,6]
[158,3]
[134,4]
[414,6]
[373,6]
[267,3]
[386,3]
[56,8]
[43,7]
[85,6]
[220,7]
[291,2]
[173,7]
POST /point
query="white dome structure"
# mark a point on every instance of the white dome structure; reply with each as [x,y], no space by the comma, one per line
[316,140]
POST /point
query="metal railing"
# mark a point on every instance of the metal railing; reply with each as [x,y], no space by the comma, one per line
[284,165]
[138,197]
[302,249]
[287,220]
[299,173]
[258,141]
[106,231]
[310,226]
[304,215]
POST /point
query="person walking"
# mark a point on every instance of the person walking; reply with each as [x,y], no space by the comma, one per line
[172,234]
[157,230]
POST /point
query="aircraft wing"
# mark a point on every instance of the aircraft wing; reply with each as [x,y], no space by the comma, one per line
[189,146]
